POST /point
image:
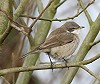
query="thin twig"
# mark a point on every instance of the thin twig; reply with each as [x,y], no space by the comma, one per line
[94,43]
[40,15]
[90,60]
[60,3]
[32,17]
[19,29]
[5,80]
[90,72]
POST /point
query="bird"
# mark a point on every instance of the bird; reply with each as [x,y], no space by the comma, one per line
[61,43]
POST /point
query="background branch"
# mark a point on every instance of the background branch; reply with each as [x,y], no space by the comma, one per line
[86,12]
[20,9]
[40,15]
[94,43]
[4,22]
[4,80]
[90,72]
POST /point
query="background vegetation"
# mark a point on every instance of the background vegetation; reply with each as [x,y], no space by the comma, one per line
[24,24]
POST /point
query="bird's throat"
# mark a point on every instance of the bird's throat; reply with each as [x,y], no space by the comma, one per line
[76,31]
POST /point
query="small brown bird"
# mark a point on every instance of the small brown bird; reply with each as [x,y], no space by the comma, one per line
[61,43]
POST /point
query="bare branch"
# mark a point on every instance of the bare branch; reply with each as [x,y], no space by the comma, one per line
[60,3]
[94,43]
[19,29]
[5,80]
[90,72]
[40,15]
[86,12]
[55,66]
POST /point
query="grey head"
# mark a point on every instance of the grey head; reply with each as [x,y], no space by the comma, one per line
[71,26]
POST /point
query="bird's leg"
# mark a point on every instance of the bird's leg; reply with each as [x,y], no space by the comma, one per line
[66,62]
[51,63]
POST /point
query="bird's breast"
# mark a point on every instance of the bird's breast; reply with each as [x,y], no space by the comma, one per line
[64,51]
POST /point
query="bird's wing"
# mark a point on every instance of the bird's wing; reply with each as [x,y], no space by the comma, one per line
[57,40]
[57,31]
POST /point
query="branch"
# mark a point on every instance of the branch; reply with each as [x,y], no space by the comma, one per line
[60,3]
[94,43]
[40,15]
[19,29]
[5,80]
[20,9]
[39,6]
[55,66]
[90,72]
[86,12]
[4,22]
[32,17]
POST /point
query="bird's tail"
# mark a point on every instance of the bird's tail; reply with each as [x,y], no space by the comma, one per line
[36,50]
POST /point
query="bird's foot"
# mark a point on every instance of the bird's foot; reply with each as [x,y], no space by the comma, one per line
[51,63]
[66,61]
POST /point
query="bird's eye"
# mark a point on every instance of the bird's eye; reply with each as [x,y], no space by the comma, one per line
[73,28]
[76,27]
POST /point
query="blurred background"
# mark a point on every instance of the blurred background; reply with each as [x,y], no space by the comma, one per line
[17,44]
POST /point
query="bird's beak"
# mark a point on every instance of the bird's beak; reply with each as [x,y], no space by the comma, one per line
[81,27]
[77,31]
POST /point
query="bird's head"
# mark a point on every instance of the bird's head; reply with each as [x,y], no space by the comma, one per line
[72,27]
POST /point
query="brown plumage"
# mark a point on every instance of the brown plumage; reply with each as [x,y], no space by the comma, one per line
[61,43]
